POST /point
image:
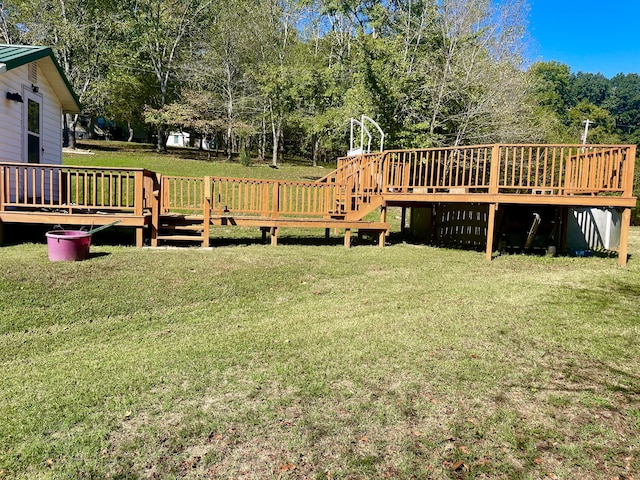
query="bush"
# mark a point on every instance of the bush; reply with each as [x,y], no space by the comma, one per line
[245,159]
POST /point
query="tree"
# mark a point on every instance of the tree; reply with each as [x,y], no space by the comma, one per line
[552,83]
[8,30]
[166,33]
[624,105]
[591,87]
[277,75]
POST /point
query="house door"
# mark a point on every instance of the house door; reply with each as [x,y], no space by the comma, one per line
[33,127]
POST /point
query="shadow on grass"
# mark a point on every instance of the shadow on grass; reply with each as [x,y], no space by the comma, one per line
[97,255]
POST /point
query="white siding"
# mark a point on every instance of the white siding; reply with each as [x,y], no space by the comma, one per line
[12,125]
[12,148]
[51,122]
[11,116]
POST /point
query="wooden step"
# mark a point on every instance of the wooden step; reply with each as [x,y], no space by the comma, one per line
[194,228]
[186,238]
[172,218]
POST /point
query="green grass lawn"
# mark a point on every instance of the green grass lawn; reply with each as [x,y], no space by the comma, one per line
[186,162]
[313,361]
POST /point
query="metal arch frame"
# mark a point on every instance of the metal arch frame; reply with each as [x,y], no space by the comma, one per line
[364,130]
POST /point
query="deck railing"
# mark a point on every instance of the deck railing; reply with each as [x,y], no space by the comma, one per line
[351,188]
[271,198]
[245,196]
[437,170]
[73,189]
[516,169]
[182,194]
[567,169]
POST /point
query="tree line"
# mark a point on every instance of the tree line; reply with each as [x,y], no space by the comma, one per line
[276,77]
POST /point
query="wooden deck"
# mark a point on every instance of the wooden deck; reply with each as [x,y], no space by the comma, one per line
[68,195]
[185,208]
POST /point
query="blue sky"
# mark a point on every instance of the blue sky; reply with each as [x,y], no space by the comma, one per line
[588,35]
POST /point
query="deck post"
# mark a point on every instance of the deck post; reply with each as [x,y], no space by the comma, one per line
[623,249]
[274,236]
[138,201]
[625,225]
[347,238]
[155,211]
[383,219]
[494,171]
[206,212]
[628,180]
[493,207]
[2,189]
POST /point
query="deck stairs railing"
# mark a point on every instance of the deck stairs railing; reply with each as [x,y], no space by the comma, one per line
[359,185]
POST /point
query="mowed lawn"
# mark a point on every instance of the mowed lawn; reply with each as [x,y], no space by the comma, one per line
[314,361]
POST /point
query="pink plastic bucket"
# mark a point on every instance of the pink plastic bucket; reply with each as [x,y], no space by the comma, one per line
[68,245]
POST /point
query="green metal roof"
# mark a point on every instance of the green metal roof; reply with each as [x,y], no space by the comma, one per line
[13,56]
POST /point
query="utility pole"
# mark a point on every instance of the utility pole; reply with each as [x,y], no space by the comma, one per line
[586,122]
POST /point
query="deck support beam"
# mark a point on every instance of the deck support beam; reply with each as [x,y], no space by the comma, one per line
[347,238]
[491,222]
[383,219]
[625,225]
[274,236]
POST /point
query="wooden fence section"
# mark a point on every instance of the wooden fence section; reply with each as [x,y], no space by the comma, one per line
[567,169]
[70,195]
[249,197]
[437,170]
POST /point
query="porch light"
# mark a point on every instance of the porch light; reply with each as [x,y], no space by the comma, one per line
[14,97]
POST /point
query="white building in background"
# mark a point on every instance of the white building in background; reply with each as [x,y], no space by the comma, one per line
[179,139]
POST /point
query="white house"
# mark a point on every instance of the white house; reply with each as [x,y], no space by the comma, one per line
[34,94]
[178,139]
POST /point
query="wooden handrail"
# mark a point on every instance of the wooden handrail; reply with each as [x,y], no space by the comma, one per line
[69,188]
[516,168]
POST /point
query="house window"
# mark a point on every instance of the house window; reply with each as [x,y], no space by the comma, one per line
[176,140]
[33,131]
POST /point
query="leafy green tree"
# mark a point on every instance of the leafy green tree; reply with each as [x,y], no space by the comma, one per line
[591,87]
[624,105]
[552,83]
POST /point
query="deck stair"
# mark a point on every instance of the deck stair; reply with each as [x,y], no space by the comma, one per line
[181,228]
[358,183]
